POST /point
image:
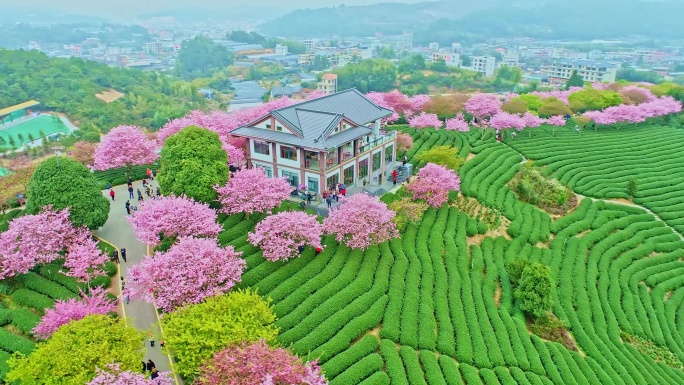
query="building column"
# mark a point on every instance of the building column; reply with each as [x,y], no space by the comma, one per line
[302,167]
[275,160]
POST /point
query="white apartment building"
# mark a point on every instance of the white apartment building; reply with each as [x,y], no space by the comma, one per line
[590,70]
[451,59]
[310,44]
[154,47]
[328,84]
[484,64]
[281,50]
[511,58]
[433,46]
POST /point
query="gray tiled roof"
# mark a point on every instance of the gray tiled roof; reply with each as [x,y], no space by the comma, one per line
[313,121]
[307,142]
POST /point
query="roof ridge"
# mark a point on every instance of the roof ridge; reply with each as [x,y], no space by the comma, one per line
[322,97]
[318,111]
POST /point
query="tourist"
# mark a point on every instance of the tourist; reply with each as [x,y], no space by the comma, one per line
[158,192]
[154,374]
[300,248]
[394,179]
[151,365]
[115,256]
[151,340]
[403,162]
[128,207]
[328,200]
[149,174]
[148,191]
[111,194]
[144,366]
[108,186]
[513,134]
[130,191]
[577,129]
[318,250]
[302,205]
[144,182]
[162,344]
[123,254]
[140,197]
[309,197]
[130,181]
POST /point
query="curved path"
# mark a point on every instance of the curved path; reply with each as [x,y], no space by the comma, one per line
[142,315]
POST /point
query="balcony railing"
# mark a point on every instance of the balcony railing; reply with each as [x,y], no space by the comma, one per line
[389,136]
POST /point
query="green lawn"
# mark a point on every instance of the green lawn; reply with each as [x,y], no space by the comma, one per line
[48,124]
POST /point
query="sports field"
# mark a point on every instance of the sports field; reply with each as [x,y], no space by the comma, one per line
[48,124]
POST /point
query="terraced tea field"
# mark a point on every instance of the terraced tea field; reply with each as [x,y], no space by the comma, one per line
[436,307]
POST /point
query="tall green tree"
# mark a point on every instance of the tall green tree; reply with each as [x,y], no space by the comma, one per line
[320,63]
[65,183]
[368,75]
[575,80]
[534,289]
[201,57]
[72,354]
[193,162]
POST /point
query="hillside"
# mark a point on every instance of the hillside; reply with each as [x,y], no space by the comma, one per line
[435,21]
[70,86]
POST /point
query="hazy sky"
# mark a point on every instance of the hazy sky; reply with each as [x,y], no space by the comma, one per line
[118,8]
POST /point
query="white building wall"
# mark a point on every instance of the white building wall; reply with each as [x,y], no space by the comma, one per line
[287,162]
[256,156]
[316,177]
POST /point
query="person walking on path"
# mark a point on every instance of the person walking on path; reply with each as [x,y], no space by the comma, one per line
[144,366]
[111,194]
[140,197]
[403,162]
[158,192]
[123,254]
[328,200]
[130,191]
[151,340]
[151,365]
[123,288]
[309,197]
[148,191]
[128,207]
[149,174]
[115,256]
[154,374]
[130,181]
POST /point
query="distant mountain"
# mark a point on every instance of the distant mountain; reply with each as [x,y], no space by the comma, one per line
[195,14]
[447,21]
[560,19]
[387,18]
[41,15]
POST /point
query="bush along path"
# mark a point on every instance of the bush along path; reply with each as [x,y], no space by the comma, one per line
[142,315]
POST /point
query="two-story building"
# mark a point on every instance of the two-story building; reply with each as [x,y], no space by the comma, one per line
[322,142]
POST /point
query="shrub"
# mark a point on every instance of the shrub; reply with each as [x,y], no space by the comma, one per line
[32,299]
[534,289]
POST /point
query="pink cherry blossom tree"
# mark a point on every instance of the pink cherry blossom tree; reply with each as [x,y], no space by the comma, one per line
[504,121]
[191,270]
[532,121]
[457,123]
[258,364]
[280,236]
[404,141]
[483,106]
[37,239]
[555,122]
[171,216]
[361,221]
[425,120]
[220,122]
[113,375]
[433,183]
[251,190]
[315,95]
[124,146]
[236,155]
[74,309]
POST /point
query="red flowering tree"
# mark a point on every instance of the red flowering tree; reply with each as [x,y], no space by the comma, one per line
[44,237]
[404,141]
[425,120]
[113,375]
[457,123]
[361,221]
[259,364]
[84,153]
[124,146]
[171,216]
[433,183]
[74,309]
[280,236]
[251,190]
[191,270]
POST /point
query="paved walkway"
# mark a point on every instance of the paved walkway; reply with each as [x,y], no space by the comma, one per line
[142,315]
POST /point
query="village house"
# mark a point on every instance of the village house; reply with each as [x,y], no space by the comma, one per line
[322,142]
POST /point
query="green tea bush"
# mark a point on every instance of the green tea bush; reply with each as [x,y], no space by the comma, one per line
[32,299]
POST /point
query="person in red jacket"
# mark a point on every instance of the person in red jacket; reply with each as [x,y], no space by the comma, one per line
[111,193]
